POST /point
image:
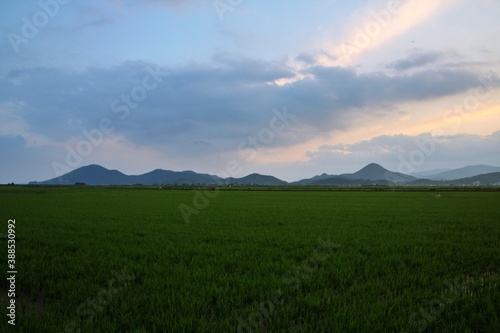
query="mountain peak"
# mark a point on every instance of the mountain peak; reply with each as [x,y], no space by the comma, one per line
[93,167]
[373,166]
[374,171]
[371,171]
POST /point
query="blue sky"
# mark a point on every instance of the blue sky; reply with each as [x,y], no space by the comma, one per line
[290,88]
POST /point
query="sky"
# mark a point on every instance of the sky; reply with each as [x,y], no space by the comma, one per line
[232,87]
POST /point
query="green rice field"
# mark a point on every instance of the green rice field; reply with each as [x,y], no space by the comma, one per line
[97,259]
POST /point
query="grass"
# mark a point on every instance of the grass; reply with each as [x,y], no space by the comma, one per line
[124,260]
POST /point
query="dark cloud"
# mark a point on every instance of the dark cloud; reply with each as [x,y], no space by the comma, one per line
[416,60]
[220,103]
[96,23]
[329,99]
[306,58]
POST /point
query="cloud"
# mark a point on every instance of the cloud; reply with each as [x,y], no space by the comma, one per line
[421,152]
[220,103]
[96,23]
[306,58]
[416,60]
[334,89]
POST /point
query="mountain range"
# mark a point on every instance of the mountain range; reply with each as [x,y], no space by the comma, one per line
[372,174]
[465,172]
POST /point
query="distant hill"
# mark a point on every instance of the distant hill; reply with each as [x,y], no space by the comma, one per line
[98,175]
[309,181]
[372,174]
[91,174]
[492,178]
[468,171]
[375,171]
[428,173]
[484,179]
[159,176]
[255,179]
